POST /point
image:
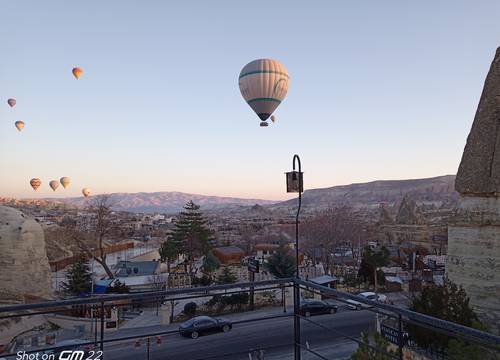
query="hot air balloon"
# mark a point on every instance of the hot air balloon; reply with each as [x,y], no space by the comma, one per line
[77,72]
[35,183]
[54,184]
[274,118]
[86,192]
[264,84]
[65,181]
[11,102]
[19,125]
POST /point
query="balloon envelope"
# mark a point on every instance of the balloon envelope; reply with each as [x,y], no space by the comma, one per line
[264,85]
[54,184]
[86,192]
[19,125]
[77,72]
[65,181]
[35,183]
[11,102]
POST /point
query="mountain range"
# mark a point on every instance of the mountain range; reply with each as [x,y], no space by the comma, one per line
[436,190]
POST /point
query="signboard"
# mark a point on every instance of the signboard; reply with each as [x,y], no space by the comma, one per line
[392,335]
[253,265]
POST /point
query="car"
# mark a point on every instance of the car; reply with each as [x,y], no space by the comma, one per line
[356,305]
[316,307]
[204,325]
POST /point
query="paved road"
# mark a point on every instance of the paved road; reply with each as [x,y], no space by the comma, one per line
[256,335]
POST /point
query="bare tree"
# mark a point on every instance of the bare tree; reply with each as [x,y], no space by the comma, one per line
[337,228]
[90,237]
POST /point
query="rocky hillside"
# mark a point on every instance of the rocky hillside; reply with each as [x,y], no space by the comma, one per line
[436,192]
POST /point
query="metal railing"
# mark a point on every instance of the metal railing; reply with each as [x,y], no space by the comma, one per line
[400,316]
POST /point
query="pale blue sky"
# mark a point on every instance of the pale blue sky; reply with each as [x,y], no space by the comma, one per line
[379,90]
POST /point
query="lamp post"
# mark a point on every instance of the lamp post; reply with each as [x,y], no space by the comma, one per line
[294,183]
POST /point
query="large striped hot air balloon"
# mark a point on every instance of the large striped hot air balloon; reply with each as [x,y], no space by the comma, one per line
[54,184]
[19,125]
[65,181]
[264,85]
[35,183]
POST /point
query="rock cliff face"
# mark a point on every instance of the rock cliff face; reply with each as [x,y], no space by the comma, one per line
[409,213]
[23,258]
[474,230]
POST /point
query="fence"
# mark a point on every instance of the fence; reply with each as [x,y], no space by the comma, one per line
[310,338]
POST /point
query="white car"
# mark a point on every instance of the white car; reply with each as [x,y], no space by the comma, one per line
[356,305]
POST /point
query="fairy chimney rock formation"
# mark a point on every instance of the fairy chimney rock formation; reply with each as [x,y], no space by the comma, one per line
[23,259]
[474,230]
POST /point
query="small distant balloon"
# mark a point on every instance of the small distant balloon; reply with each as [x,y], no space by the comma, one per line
[86,192]
[54,184]
[35,183]
[19,125]
[65,181]
[77,72]
[11,102]
[274,118]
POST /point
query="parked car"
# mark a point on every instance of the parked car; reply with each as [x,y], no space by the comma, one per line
[356,305]
[316,307]
[203,325]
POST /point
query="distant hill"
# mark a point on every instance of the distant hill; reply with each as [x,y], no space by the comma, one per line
[169,202]
[436,190]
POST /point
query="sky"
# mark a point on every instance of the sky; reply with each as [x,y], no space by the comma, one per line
[378,90]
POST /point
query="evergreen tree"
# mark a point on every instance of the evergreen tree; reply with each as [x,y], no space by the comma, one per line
[372,260]
[210,264]
[192,235]
[447,302]
[281,264]
[226,276]
[78,278]
[169,252]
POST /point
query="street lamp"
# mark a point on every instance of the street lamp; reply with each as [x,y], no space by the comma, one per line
[294,183]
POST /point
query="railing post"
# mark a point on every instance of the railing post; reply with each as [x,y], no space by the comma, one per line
[102,327]
[283,297]
[400,337]
[296,320]
[149,344]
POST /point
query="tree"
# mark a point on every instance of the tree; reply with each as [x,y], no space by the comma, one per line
[281,264]
[375,259]
[377,351]
[210,264]
[169,252]
[79,278]
[192,235]
[447,302]
[91,237]
[190,308]
[226,277]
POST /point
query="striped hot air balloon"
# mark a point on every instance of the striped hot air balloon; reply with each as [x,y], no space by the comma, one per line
[65,181]
[35,183]
[264,85]
[19,125]
[54,184]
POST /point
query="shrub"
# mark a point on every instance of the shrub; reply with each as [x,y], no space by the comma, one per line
[190,308]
